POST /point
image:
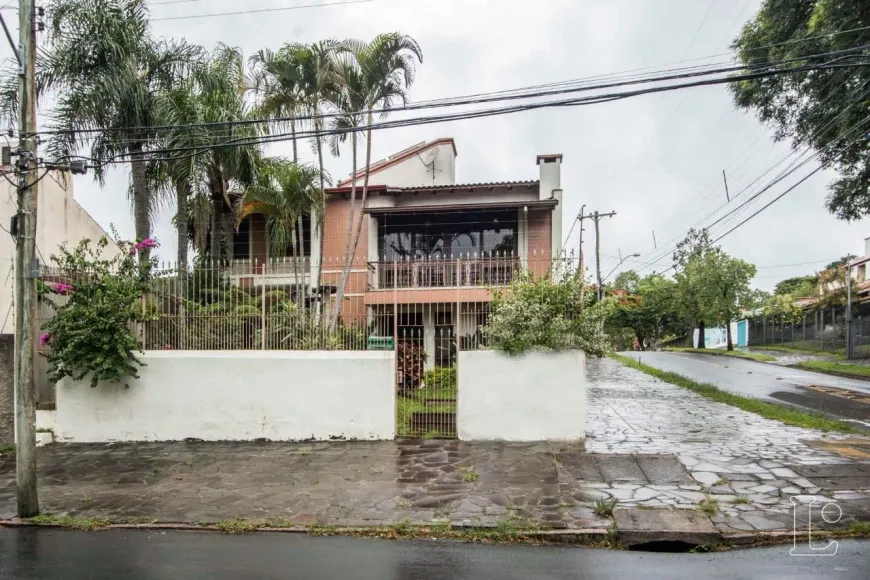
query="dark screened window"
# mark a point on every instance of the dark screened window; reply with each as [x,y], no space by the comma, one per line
[482,233]
[306,240]
[242,240]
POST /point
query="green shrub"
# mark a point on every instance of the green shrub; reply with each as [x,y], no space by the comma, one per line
[440,378]
[547,314]
[90,332]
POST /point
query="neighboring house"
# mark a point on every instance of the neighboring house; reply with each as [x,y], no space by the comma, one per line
[60,219]
[430,248]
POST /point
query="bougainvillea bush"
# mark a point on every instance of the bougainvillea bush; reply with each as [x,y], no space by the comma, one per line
[97,304]
[547,314]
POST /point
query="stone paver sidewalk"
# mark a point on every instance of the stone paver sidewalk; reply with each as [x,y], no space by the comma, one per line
[650,444]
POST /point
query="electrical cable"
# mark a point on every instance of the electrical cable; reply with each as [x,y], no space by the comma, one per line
[579,101]
[260,10]
[473,100]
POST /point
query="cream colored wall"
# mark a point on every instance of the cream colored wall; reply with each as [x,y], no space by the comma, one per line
[413,171]
[59,219]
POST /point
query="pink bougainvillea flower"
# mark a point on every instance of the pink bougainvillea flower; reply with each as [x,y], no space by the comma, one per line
[146,243]
[44,338]
[62,289]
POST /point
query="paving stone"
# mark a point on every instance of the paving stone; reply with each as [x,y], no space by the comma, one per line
[763,488]
[706,477]
[637,526]
[784,472]
[761,523]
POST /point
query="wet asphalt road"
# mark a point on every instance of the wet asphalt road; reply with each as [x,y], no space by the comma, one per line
[765,381]
[29,554]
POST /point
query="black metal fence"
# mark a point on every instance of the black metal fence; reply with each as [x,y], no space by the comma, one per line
[821,330]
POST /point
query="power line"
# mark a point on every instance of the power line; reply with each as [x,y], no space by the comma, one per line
[698,31]
[577,101]
[260,10]
[476,100]
[665,249]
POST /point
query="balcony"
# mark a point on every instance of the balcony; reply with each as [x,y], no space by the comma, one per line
[274,271]
[443,273]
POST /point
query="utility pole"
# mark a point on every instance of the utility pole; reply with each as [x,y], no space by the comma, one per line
[26,265]
[582,273]
[596,217]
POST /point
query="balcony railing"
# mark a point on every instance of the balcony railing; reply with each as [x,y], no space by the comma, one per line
[271,267]
[442,273]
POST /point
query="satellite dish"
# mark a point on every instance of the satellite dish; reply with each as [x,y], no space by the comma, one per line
[430,156]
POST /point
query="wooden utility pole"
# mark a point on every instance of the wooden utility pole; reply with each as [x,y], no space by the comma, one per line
[580,265]
[596,217]
[26,265]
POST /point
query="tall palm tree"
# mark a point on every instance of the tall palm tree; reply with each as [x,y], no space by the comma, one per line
[106,70]
[387,66]
[300,80]
[284,192]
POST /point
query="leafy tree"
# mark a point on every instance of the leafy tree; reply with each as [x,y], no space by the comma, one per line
[782,307]
[726,285]
[650,311]
[833,286]
[692,291]
[824,109]
[755,300]
[798,287]
[627,281]
[379,76]
[841,262]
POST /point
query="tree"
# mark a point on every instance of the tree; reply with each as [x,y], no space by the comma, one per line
[726,281]
[692,288]
[627,281]
[284,192]
[105,71]
[650,311]
[385,69]
[798,287]
[824,109]
[782,307]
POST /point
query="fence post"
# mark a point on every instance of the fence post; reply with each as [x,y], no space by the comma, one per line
[263,308]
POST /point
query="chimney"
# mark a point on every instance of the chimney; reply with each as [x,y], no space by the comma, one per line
[551,188]
[867,246]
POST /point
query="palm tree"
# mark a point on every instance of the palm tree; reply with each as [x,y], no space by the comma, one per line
[284,192]
[300,78]
[106,71]
[386,68]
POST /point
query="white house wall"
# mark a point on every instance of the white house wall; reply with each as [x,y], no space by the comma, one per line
[237,395]
[59,219]
[536,396]
[413,171]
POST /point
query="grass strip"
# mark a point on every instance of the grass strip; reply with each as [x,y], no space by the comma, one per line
[787,415]
[835,368]
[796,350]
[732,353]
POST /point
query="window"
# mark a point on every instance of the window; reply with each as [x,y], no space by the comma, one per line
[306,241]
[481,233]
[242,241]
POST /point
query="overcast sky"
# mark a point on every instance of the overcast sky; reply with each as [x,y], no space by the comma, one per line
[655,160]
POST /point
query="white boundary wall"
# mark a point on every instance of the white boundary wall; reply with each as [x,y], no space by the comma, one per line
[536,396]
[237,395]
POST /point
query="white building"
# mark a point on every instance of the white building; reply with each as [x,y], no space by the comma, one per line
[59,219]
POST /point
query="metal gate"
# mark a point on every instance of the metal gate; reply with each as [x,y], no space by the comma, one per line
[426,370]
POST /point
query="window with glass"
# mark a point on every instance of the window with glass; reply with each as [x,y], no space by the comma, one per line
[445,235]
[305,249]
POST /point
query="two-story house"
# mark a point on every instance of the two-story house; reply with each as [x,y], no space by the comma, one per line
[429,249]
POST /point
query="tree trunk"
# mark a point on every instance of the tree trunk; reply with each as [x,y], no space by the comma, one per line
[347,263]
[322,214]
[141,205]
[701,339]
[293,136]
[728,334]
[294,243]
[365,191]
[216,231]
[182,225]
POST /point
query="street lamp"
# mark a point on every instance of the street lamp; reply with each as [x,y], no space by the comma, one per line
[618,265]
